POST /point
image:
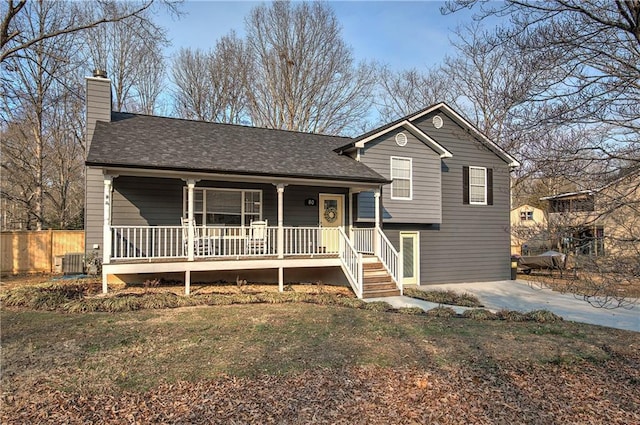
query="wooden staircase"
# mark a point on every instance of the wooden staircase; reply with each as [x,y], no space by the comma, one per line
[377,281]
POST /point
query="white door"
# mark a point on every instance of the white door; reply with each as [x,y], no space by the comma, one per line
[410,248]
[331,218]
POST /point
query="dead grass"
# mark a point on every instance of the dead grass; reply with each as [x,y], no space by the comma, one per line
[306,363]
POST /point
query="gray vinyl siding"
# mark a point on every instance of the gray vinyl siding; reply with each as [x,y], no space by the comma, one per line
[146,201]
[98,97]
[425,205]
[296,213]
[472,242]
[93,210]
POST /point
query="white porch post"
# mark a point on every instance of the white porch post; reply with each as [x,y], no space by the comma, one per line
[350,215]
[106,228]
[376,238]
[187,282]
[281,279]
[280,188]
[191,229]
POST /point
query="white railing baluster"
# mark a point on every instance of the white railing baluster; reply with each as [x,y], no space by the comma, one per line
[389,258]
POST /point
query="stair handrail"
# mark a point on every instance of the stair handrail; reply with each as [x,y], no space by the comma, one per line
[351,261]
[390,259]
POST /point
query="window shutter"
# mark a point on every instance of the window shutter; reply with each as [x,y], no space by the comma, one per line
[465,185]
[489,186]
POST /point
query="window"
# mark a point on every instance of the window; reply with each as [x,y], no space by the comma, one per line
[477,186]
[401,187]
[526,215]
[226,207]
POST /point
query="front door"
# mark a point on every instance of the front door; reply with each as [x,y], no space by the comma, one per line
[410,248]
[331,217]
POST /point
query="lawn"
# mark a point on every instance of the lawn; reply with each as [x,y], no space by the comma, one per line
[310,363]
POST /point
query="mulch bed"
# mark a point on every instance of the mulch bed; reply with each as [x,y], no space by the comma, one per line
[505,394]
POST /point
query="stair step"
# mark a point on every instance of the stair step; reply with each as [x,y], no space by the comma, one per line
[380,287]
[370,266]
[381,293]
[377,280]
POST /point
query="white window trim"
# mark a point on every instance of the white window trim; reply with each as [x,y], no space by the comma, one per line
[221,189]
[485,185]
[399,198]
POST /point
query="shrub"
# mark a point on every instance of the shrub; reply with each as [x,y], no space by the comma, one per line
[378,306]
[511,316]
[543,316]
[444,297]
[479,314]
[442,312]
[47,296]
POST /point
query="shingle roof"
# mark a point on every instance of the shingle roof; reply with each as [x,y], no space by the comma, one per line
[443,107]
[151,142]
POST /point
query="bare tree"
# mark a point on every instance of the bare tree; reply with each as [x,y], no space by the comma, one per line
[304,77]
[148,83]
[590,105]
[594,48]
[28,103]
[408,91]
[130,51]
[15,35]
[212,86]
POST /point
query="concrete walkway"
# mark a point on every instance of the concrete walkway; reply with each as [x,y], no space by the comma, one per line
[522,296]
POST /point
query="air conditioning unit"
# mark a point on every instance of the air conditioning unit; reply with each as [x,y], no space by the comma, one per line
[73,263]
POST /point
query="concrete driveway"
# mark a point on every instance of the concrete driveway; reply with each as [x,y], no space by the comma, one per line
[522,296]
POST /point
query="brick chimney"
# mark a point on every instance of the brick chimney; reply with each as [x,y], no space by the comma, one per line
[98,98]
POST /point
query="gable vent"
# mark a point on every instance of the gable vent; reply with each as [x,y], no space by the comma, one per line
[437,121]
[401,139]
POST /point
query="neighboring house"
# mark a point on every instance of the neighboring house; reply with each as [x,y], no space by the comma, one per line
[599,221]
[528,229]
[422,200]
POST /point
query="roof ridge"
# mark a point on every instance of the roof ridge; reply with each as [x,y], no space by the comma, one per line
[231,125]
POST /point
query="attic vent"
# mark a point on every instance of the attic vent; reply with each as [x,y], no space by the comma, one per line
[401,139]
[437,121]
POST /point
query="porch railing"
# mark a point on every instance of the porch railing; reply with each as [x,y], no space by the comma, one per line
[363,240]
[147,242]
[234,241]
[390,258]
[157,242]
[311,240]
[351,261]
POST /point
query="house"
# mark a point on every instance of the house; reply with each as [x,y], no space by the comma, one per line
[422,200]
[528,229]
[598,222]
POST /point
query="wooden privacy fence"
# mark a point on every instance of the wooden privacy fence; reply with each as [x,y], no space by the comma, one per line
[35,251]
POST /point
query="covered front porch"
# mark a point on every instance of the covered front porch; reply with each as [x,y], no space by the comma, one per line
[161,224]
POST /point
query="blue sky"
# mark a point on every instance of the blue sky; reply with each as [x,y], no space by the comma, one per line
[397,33]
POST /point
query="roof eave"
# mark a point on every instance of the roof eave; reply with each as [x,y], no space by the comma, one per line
[354,179]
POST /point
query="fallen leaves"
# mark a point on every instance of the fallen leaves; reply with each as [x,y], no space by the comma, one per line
[536,394]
